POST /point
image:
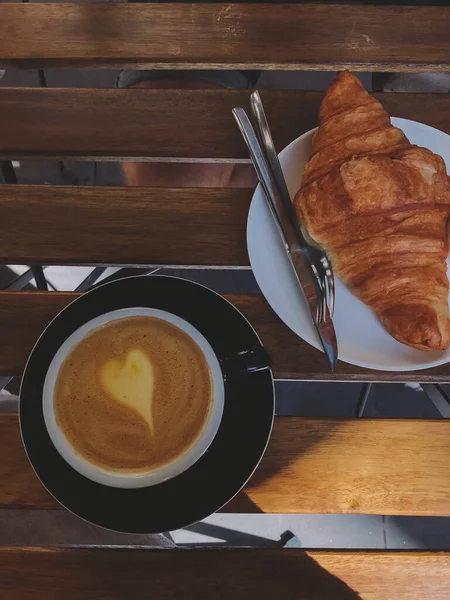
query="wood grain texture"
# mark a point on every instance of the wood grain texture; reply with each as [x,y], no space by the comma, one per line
[290,36]
[123,225]
[24,315]
[147,124]
[82,574]
[361,466]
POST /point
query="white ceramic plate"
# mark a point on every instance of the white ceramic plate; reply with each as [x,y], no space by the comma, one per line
[362,340]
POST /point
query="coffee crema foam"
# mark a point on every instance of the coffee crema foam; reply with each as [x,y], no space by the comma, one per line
[134,394]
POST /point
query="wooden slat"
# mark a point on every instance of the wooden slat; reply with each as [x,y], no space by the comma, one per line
[145,124]
[324,36]
[395,467]
[123,225]
[79,574]
[24,315]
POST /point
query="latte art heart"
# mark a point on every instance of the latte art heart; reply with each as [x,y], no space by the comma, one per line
[131,383]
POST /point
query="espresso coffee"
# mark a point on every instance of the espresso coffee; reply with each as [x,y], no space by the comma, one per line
[133,395]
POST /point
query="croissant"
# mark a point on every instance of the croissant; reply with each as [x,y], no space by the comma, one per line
[379,207]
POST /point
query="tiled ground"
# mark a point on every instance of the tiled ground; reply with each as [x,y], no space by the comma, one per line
[315,399]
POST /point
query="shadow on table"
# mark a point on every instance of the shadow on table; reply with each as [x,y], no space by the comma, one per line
[199,574]
[304,579]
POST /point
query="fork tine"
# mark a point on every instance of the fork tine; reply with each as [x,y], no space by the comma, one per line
[323,298]
[321,304]
[331,288]
[330,280]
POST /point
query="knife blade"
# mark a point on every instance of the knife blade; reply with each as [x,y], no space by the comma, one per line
[302,266]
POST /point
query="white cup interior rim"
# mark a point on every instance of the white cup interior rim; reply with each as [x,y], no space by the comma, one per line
[165,472]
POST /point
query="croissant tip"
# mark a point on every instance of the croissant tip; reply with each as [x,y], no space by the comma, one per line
[417,326]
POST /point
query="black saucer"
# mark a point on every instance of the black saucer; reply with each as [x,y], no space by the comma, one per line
[233,455]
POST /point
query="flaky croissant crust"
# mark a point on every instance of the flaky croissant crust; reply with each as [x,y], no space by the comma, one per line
[379,206]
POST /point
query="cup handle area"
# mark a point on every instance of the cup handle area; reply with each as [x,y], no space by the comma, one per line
[246,361]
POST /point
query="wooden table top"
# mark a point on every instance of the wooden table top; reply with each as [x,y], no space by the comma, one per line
[362,466]
[81,574]
[323,36]
[179,124]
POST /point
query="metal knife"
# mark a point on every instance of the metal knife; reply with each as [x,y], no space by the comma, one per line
[304,271]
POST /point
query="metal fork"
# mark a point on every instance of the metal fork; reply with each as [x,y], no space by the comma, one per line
[317,256]
[273,199]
